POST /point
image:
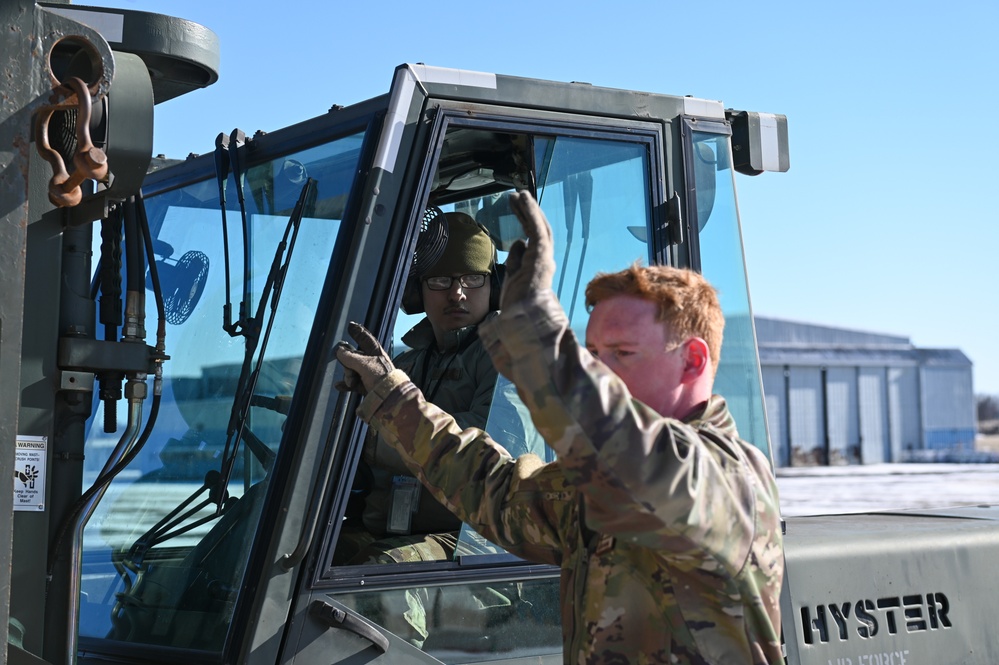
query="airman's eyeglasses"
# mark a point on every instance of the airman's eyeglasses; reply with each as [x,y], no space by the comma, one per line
[472,281]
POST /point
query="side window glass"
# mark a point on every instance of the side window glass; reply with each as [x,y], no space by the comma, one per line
[595,194]
[517,619]
[165,551]
[723,263]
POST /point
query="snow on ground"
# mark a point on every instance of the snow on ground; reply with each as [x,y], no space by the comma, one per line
[872,487]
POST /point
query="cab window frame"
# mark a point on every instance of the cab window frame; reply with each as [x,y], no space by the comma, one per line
[656,137]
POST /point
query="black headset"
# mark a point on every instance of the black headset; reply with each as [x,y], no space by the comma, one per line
[430,246]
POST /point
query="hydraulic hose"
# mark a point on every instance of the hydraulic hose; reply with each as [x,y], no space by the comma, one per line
[138,238]
[126,443]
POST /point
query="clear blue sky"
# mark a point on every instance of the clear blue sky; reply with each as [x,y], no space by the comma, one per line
[885,221]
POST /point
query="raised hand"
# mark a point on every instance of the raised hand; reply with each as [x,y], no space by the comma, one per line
[530,266]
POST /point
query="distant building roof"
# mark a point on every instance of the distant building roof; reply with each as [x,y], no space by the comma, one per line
[943,357]
[791,342]
[779,331]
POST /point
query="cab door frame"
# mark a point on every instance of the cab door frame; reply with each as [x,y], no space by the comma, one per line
[438,116]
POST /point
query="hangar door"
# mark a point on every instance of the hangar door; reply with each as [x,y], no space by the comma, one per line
[872,395]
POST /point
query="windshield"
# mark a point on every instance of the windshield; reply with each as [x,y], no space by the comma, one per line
[163,562]
[724,265]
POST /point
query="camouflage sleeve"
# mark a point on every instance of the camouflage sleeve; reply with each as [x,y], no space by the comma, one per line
[479,379]
[515,503]
[647,478]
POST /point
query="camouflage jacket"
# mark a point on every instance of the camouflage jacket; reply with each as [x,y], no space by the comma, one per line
[667,533]
[459,379]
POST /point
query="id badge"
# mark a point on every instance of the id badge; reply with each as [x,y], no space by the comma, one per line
[404,502]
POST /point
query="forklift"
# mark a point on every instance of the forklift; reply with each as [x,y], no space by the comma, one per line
[179,466]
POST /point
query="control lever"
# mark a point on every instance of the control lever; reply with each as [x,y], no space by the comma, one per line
[222,175]
[236,141]
[227,159]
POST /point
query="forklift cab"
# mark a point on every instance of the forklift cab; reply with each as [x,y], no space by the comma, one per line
[217,542]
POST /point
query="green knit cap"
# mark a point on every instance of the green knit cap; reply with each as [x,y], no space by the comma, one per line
[469,248]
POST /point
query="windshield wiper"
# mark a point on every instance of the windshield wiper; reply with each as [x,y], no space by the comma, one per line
[237,430]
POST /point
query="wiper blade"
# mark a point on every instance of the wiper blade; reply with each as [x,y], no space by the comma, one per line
[245,387]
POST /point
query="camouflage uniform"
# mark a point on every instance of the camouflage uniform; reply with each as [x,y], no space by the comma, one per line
[667,532]
[459,379]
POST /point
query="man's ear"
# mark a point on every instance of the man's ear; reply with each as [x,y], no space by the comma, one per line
[696,359]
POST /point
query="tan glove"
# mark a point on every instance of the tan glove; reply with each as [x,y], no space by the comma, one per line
[530,266]
[364,366]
